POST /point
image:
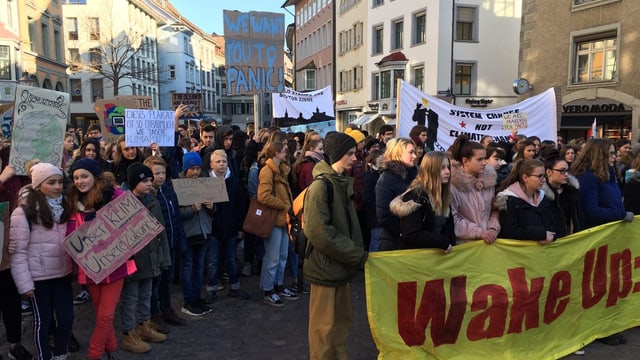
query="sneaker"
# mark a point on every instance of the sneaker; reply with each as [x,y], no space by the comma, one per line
[133,343]
[74,344]
[210,298]
[193,309]
[18,352]
[239,294]
[286,294]
[246,270]
[170,317]
[271,298]
[148,332]
[220,287]
[579,352]
[157,322]
[296,289]
[81,298]
[205,307]
[25,306]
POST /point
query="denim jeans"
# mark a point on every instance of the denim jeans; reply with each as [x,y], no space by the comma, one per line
[375,239]
[212,262]
[192,272]
[227,255]
[135,302]
[275,259]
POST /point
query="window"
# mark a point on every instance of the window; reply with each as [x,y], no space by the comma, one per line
[417,78]
[309,79]
[76,90]
[378,3]
[96,89]
[385,84]
[44,32]
[376,87]
[420,28]
[5,63]
[377,39]
[95,59]
[398,30]
[74,59]
[94,28]
[72,26]
[397,74]
[33,30]
[57,44]
[465,23]
[595,57]
[463,79]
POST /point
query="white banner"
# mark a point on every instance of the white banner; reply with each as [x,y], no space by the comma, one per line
[445,122]
[322,127]
[293,104]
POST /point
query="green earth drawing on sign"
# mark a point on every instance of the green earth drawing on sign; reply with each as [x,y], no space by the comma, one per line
[38,136]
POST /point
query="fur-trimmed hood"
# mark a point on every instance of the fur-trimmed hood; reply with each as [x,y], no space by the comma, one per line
[403,208]
[514,190]
[465,182]
[396,168]
[571,181]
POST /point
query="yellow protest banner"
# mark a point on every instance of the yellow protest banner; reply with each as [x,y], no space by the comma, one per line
[510,300]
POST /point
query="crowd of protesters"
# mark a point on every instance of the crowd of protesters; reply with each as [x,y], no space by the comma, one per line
[378,193]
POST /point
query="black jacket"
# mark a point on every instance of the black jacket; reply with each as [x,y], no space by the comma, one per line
[566,212]
[520,220]
[394,180]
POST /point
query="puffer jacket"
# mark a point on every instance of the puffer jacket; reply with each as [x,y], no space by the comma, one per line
[522,220]
[601,201]
[394,180]
[567,211]
[471,203]
[39,253]
[418,221]
[335,249]
[274,190]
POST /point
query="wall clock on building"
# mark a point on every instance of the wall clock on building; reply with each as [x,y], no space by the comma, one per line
[521,86]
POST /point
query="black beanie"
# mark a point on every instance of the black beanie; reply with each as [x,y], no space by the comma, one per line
[336,145]
[90,165]
[137,172]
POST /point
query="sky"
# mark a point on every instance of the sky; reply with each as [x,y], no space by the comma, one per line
[207,14]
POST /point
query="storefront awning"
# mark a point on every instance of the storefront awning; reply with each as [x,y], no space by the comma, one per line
[364,119]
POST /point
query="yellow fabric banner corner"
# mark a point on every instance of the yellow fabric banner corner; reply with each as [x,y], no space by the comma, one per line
[516,298]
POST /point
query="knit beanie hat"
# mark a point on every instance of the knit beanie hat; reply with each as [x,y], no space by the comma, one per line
[87,164]
[41,172]
[356,134]
[336,145]
[136,173]
[190,159]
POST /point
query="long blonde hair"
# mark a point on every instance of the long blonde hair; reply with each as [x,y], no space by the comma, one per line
[430,181]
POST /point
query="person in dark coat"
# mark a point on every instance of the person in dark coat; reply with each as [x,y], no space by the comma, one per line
[424,209]
[563,191]
[371,176]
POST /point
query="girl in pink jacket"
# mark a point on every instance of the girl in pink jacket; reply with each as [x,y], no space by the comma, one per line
[40,266]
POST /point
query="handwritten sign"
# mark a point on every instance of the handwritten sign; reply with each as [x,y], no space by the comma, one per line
[192,100]
[40,116]
[197,190]
[511,120]
[143,127]
[110,113]
[253,52]
[121,229]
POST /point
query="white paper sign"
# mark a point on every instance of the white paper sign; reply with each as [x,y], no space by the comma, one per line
[143,127]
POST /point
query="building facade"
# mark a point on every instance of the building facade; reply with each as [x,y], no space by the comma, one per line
[586,51]
[10,51]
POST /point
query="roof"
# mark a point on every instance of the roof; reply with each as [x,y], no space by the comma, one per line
[396,56]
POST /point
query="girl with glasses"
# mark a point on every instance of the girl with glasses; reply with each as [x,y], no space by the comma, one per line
[562,189]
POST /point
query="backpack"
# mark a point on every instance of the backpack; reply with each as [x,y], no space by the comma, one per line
[296,217]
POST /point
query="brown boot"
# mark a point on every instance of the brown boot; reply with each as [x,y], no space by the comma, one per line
[147,332]
[132,342]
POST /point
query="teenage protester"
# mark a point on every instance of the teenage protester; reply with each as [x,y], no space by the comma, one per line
[274,192]
[40,266]
[371,176]
[524,211]
[161,309]
[385,134]
[335,250]
[600,194]
[135,301]
[123,157]
[312,153]
[424,209]
[90,192]
[472,192]
[196,219]
[398,171]
[563,191]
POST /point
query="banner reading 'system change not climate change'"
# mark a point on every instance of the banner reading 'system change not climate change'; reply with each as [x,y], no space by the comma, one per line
[517,299]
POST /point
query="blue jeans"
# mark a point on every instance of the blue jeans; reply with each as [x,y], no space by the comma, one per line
[375,239]
[212,262]
[192,271]
[135,302]
[52,295]
[275,258]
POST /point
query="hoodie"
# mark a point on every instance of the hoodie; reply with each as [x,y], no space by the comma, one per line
[218,144]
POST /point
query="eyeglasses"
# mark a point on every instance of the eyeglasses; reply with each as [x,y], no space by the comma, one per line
[539,176]
[561,171]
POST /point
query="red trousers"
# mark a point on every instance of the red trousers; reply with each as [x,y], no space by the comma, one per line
[105,298]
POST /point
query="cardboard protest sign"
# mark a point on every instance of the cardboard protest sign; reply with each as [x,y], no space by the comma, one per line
[143,127]
[253,52]
[40,116]
[111,113]
[197,190]
[121,229]
[517,120]
[193,100]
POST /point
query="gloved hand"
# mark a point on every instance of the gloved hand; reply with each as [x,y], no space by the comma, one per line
[629,217]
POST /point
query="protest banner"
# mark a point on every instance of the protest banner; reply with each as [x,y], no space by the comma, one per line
[322,128]
[143,127]
[425,304]
[6,120]
[253,52]
[111,113]
[192,100]
[445,122]
[197,190]
[40,117]
[121,229]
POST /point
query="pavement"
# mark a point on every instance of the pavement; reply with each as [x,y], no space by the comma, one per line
[250,329]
